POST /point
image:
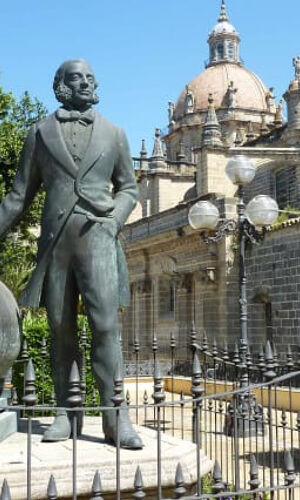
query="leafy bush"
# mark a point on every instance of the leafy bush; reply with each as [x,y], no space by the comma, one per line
[35,329]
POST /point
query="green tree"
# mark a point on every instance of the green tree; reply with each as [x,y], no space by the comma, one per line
[18,249]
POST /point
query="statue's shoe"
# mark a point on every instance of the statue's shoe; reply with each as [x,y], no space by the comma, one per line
[60,430]
[129,438]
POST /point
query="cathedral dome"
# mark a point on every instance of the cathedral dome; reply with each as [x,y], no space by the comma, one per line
[223,27]
[250,92]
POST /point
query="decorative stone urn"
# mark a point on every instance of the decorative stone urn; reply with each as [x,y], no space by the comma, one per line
[10,332]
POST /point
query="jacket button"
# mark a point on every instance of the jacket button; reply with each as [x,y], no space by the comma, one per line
[50,236]
[61,212]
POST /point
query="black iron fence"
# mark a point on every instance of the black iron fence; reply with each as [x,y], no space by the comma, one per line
[242,412]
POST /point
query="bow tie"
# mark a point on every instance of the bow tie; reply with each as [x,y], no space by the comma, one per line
[63,115]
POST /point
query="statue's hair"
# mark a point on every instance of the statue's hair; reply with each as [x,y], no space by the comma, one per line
[62,92]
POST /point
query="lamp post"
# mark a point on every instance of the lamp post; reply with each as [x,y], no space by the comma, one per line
[260,212]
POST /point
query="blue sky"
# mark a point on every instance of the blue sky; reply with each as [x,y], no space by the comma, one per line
[143,52]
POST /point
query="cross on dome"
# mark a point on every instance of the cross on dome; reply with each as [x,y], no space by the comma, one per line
[223,14]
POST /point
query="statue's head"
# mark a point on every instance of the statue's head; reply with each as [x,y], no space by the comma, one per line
[74,84]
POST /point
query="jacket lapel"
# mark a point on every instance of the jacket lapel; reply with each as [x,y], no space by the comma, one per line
[95,147]
[54,141]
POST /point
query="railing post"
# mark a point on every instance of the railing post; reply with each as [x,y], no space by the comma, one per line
[117,400]
[43,355]
[74,400]
[83,347]
[172,347]
[145,403]
[290,476]
[136,348]
[29,399]
[269,375]
[158,397]
[197,392]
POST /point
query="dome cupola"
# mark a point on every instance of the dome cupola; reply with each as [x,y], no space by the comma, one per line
[224,41]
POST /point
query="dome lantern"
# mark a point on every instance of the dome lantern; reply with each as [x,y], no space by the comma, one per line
[224,41]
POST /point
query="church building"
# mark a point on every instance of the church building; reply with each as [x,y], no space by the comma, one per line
[176,279]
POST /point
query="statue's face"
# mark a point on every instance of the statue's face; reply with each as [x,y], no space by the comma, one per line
[80,79]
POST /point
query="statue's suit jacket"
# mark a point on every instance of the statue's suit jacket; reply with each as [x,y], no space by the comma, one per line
[46,160]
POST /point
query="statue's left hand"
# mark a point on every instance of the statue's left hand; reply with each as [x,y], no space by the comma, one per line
[111,226]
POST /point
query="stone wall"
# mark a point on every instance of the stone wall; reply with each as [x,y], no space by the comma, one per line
[273,288]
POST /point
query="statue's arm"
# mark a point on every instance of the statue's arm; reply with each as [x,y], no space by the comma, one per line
[25,186]
[125,187]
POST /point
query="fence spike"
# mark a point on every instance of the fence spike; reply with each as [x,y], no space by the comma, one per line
[29,397]
[14,399]
[97,487]
[179,489]
[158,394]
[261,360]
[236,357]
[138,484]
[225,352]
[269,373]
[5,492]
[136,345]
[127,397]
[172,341]
[51,489]
[43,351]
[204,343]
[145,397]
[75,397]
[248,358]
[154,343]
[215,349]
[218,485]
[52,398]
[283,418]
[193,338]
[254,481]
[118,397]
[24,352]
[197,390]
[289,466]
[289,359]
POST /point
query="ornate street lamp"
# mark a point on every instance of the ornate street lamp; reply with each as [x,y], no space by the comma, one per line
[260,212]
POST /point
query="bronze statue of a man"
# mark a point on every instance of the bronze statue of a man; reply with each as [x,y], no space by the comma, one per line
[77,155]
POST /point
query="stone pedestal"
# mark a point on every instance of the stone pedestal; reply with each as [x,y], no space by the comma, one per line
[93,454]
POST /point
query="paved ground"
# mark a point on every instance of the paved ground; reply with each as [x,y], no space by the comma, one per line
[218,446]
[94,454]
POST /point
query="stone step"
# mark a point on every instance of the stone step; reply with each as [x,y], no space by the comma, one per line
[8,424]
[94,453]
[3,402]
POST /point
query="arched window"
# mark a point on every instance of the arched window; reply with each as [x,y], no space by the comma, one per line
[231,51]
[220,51]
[166,298]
